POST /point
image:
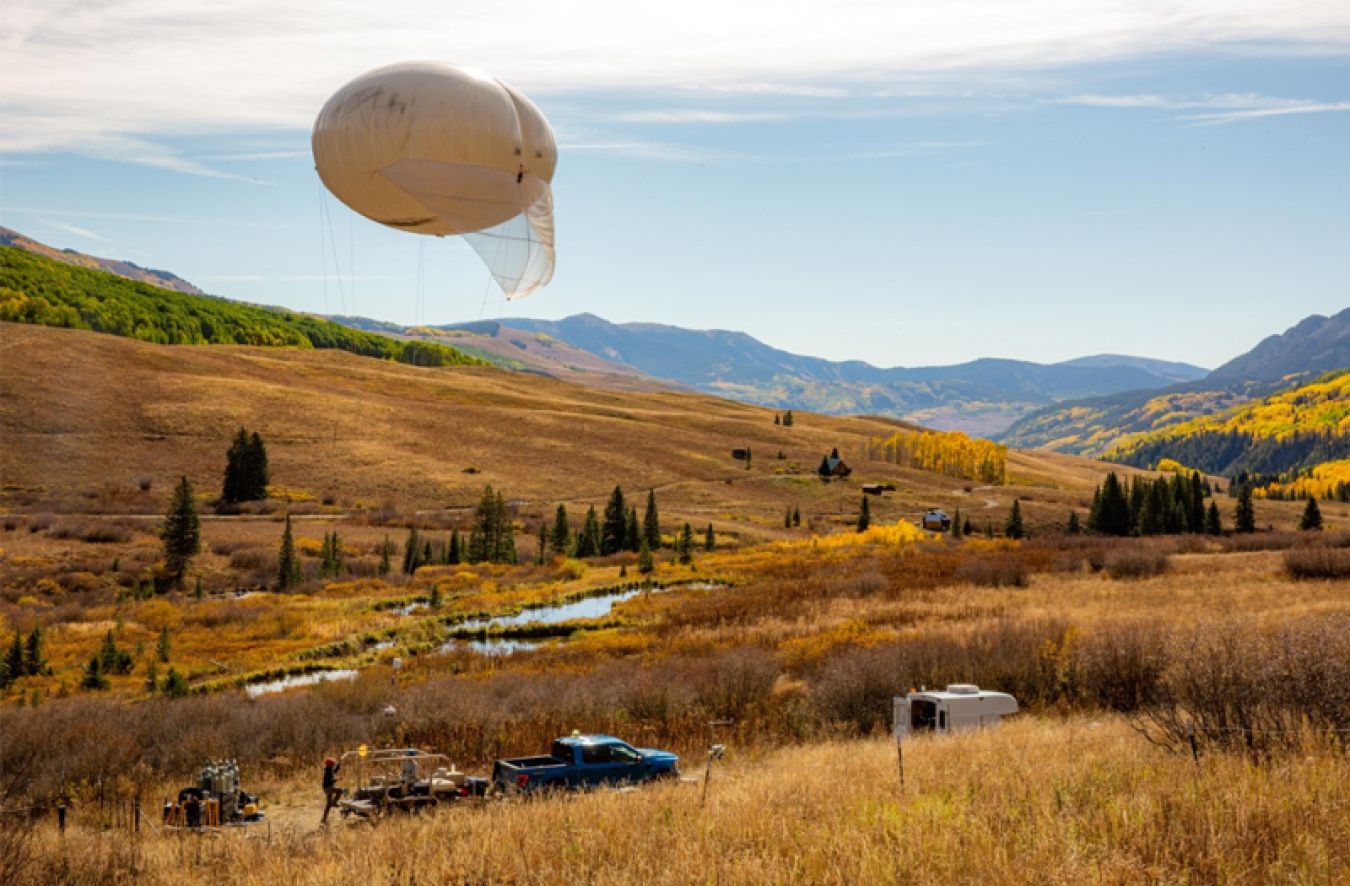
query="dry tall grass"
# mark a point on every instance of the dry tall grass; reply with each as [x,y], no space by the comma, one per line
[1035,802]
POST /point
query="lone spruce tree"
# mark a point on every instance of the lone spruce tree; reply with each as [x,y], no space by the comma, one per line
[560,539]
[1312,516]
[1014,528]
[288,561]
[1213,522]
[614,529]
[651,523]
[181,534]
[864,515]
[1244,518]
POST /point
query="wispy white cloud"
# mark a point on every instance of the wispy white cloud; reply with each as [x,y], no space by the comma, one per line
[1219,109]
[1245,101]
[1255,114]
[121,80]
[72,229]
[256,156]
[149,218]
[692,115]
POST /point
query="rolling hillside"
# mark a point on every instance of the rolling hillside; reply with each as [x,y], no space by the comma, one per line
[126,269]
[43,291]
[82,413]
[1092,427]
[981,397]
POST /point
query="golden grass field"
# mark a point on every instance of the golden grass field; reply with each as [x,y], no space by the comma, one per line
[1071,801]
[800,635]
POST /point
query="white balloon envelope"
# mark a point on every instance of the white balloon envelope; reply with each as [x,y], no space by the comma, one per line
[440,150]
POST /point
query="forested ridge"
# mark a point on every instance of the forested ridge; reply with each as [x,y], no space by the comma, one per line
[1282,434]
[37,290]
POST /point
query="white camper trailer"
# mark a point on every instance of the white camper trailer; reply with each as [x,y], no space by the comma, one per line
[959,706]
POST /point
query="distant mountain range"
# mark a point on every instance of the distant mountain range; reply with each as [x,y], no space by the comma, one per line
[1095,426]
[981,397]
[162,279]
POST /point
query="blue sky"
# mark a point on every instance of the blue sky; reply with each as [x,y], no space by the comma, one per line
[903,183]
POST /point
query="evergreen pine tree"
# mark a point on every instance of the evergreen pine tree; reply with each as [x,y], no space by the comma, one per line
[506,533]
[175,685]
[1213,522]
[588,539]
[93,675]
[454,554]
[1073,528]
[1312,516]
[34,656]
[615,526]
[651,523]
[687,544]
[151,676]
[988,529]
[1195,514]
[864,515]
[633,533]
[1115,516]
[412,552]
[824,469]
[111,659]
[709,539]
[163,646]
[787,519]
[386,552]
[1152,518]
[541,549]
[560,539]
[749,457]
[796,516]
[645,562]
[1244,518]
[181,533]
[1014,528]
[288,561]
[776,420]
[967,530]
[14,659]
[956,524]
[235,483]
[257,472]
[1094,520]
[787,419]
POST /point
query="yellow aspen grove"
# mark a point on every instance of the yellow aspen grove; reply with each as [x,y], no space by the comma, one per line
[950,453]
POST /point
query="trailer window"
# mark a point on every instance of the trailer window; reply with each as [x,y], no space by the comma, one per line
[942,720]
[922,714]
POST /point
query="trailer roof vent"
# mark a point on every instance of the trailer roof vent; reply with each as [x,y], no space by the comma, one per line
[963,689]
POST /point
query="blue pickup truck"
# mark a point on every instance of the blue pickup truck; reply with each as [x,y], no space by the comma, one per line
[583,761]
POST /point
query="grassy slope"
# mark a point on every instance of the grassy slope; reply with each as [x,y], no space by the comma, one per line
[84,411]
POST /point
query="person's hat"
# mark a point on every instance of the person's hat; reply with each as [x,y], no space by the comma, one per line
[329,762]
[412,752]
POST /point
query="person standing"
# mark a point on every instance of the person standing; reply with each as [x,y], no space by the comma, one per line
[330,789]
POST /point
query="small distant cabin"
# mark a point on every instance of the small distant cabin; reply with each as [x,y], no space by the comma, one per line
[833,466]
[936,521]
[740,454]
[961,706]
[873,489]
